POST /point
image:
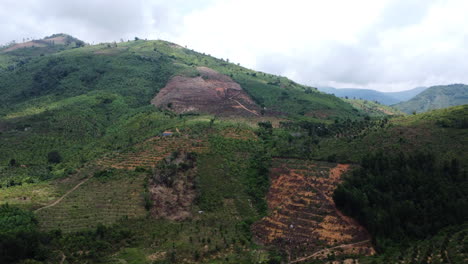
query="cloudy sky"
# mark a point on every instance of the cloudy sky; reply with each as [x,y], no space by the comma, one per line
[386,45]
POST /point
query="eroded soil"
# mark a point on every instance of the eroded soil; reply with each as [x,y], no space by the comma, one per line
[172,187]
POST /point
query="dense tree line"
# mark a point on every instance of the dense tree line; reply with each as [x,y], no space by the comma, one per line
[401,197]
[19,238]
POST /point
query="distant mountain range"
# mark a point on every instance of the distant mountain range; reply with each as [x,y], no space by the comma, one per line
[387,98]
[436,97]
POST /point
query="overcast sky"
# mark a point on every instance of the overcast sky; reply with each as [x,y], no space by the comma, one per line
[386,45]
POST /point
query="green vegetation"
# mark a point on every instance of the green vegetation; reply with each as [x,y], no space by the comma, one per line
[84,102]
[19,238]
[373,108]
[447,246]
[436,97]
[441,132]
[80,143]
[104,199]
[402,197]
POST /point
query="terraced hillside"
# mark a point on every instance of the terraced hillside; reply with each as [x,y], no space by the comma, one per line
[96,201]
[148,153]
[109,189]
[303,220]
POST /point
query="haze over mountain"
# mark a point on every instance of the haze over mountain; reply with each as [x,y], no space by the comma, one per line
[387,98]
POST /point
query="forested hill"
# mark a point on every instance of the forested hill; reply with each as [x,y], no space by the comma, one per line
[33,76]
[81,100]
[436,97]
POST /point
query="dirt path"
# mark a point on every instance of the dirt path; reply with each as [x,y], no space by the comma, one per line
[327,250]
[63,258]
[245,108]
[63,196]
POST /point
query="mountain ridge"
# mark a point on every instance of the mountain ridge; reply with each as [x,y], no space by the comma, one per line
[387,98]
[436,97]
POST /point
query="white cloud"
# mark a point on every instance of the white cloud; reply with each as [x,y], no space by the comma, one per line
[379,44]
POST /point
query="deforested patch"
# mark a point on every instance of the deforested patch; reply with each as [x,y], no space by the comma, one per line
[303,221]
[210,92]
[172,186]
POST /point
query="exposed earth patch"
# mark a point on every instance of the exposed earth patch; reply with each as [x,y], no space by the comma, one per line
[172,187]
[211,92]
[303,221]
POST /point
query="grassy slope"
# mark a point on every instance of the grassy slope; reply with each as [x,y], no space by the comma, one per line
[435,98]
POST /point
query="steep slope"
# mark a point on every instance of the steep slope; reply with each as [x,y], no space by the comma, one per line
[436,97]
[82,102]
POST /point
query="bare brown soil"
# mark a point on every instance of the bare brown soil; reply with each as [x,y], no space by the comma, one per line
[211,92]
[28,44]
[303,220]
[172,187]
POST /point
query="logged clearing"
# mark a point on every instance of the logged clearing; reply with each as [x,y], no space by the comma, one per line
[172,187]
[211,92]
[303,220]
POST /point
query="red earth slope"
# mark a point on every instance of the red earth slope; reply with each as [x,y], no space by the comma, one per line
[303,220]
[211,93]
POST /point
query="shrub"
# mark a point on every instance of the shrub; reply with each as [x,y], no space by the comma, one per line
[54,157]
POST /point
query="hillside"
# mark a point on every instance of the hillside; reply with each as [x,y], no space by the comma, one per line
[17,54]
[85,101]
[436,97]
[442,132]
[373,109]
[147,152]
[406,95]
